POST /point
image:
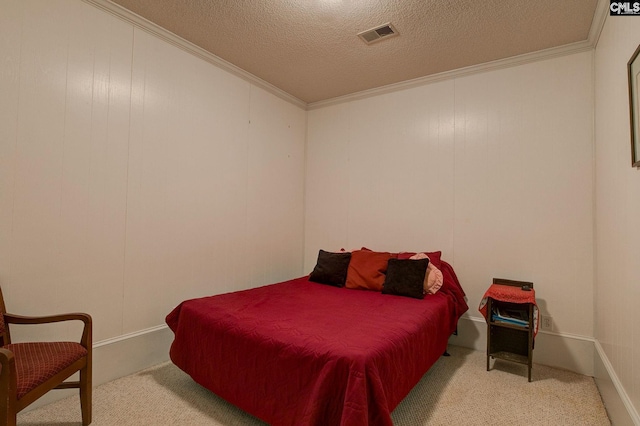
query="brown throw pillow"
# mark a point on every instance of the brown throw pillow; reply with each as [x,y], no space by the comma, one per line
[331,268]
[406,278]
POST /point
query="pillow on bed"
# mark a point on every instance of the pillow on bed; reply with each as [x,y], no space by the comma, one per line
[434,256]
[367,269]
[331,268]
[433,279]
[405,277]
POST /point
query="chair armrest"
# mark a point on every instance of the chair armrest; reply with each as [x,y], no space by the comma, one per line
[85,318]
[21,319]
[6,358]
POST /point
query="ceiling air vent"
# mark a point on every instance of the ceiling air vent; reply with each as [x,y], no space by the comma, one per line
[378,33]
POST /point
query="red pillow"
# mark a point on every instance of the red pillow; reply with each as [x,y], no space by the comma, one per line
[434,257]
[367,269]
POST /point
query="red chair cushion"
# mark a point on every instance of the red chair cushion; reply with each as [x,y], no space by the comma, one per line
[38,362]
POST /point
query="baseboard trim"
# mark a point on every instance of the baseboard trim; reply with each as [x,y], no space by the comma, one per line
[618,404]
[572,352]
[129,353]
[120,356]
[127,336]
[561,350]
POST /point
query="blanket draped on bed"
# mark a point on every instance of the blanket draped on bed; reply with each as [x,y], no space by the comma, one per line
[303,353]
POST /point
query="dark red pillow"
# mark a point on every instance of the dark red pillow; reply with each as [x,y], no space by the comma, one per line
[367,269]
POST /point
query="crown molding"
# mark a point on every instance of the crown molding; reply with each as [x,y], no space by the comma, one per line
[553,52]
[597,25]
[167,36]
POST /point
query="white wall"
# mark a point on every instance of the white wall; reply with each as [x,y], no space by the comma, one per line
[617,289]
[134,175]
[494,169]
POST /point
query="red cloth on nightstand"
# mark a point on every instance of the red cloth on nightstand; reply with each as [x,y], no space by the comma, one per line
[507,293]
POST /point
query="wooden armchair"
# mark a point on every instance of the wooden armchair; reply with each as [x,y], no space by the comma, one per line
[29,370]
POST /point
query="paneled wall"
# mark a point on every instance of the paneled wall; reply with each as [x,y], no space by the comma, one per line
[617,290]
[134,175]
[494,169]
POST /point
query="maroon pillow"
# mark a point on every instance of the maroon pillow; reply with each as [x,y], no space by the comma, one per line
[367,269]
[434,256]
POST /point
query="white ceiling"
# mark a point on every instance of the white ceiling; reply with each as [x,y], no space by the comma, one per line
[310,48]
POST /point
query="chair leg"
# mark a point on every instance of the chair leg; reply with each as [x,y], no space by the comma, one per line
[8,411]
[9,416]
[10,420]
[85,394]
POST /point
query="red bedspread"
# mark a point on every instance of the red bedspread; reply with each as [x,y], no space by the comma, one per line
[302,353]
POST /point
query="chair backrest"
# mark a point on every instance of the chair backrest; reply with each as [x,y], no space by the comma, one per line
[5,337]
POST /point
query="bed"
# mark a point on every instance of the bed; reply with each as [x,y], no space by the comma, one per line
[304,353]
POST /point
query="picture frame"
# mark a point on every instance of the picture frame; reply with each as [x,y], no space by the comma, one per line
[633,73]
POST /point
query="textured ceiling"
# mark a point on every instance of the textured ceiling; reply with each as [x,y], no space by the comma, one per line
[310,48]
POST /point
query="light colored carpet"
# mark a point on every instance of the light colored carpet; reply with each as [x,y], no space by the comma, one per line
[456,391]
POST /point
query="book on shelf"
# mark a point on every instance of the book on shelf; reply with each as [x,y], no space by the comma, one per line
[510,316]
[497,318]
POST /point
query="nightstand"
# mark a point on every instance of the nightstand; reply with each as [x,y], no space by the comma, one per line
[510,312]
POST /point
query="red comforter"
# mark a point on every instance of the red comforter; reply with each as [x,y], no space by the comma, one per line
[302,353]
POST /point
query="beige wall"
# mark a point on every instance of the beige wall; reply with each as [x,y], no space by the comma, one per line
[617,289]
[134,175]
[494,169]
